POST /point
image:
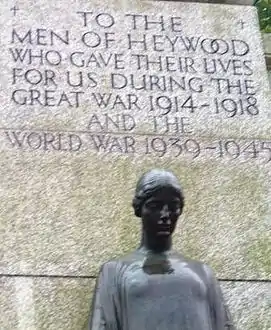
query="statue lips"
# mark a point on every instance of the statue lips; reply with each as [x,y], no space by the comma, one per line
[164,231]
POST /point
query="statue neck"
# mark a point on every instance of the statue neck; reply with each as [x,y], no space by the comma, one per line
[155,244]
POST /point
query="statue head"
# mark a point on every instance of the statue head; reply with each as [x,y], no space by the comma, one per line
[159,202]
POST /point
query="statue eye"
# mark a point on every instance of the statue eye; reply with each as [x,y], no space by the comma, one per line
[174,206]
[153,205]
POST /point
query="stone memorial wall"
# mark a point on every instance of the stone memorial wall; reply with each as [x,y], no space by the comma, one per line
[93,94]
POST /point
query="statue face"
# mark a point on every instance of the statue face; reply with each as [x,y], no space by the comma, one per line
[160,212]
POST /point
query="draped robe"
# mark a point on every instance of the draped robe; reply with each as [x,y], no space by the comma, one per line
[148,291]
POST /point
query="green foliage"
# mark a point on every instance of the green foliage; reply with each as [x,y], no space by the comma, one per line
[264,11]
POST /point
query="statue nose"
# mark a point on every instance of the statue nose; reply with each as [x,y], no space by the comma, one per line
[164,215]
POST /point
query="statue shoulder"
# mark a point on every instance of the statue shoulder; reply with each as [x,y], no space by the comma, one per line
[119,263]
[199,267]
[209,275]
[110,265]
[202,269]
[191,262]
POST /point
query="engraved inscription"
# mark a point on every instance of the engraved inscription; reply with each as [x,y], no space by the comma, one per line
[143,83]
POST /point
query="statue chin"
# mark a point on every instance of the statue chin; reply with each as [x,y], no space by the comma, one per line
[163,233]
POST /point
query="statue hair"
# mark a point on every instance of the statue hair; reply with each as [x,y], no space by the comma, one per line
[151,182]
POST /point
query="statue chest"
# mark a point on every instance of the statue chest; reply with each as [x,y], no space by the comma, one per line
[154,283]
[164,301]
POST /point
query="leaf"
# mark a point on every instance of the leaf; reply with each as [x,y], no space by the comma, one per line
[264,12]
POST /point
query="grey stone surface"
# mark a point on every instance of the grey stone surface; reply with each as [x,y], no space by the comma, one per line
[39,304]
[65,206]
[63,304]
[61,231]
[250,304]
[65,202]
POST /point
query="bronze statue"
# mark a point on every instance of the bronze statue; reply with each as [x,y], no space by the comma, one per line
[155,288]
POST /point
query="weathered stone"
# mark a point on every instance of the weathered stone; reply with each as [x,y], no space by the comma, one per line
[45,303]
[57,180]
[68,165]
[249,303]
[61,231]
